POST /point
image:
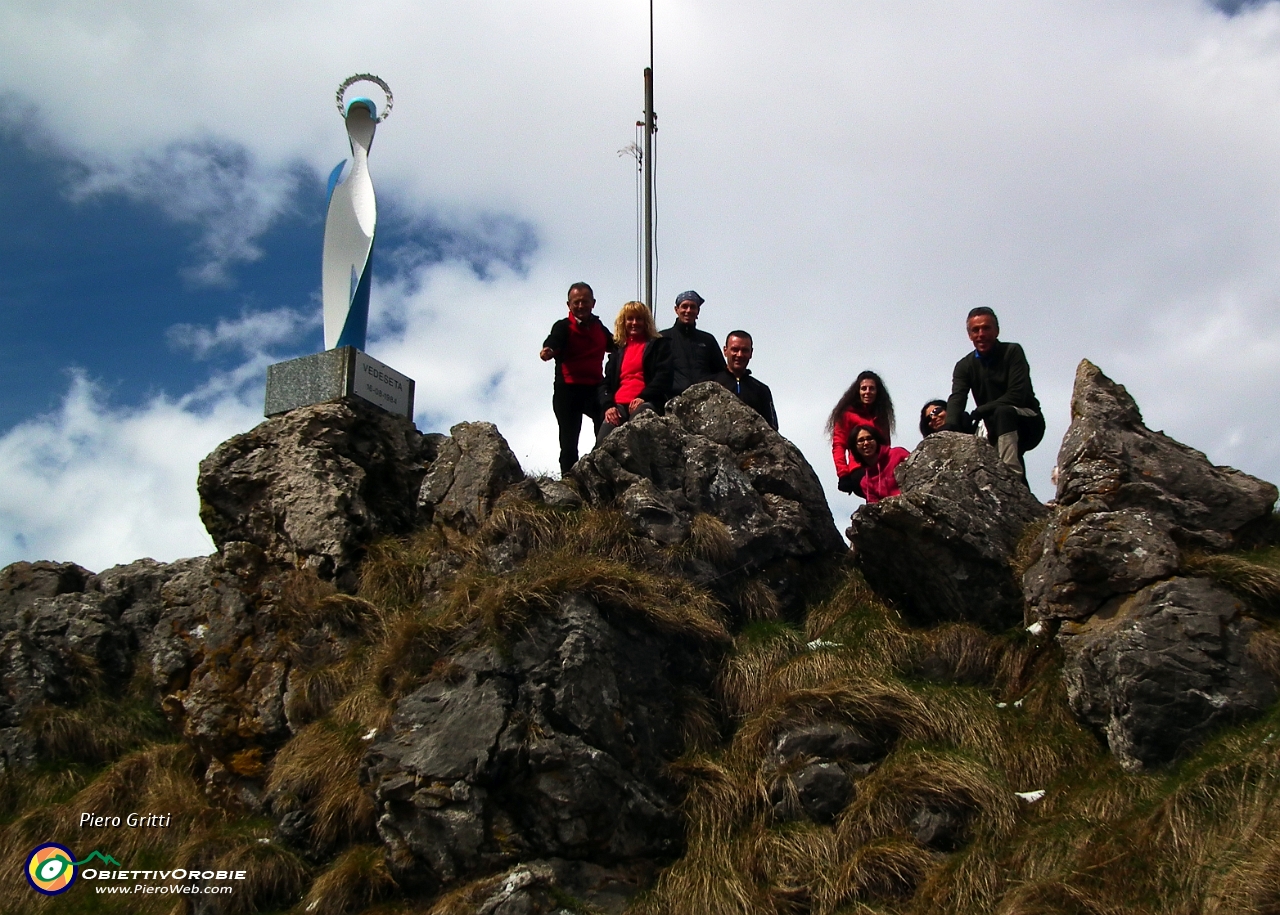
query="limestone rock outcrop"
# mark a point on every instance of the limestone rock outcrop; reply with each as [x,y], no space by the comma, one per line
[314,486]
[711,453]
[1130,501]
[1154,659]
[554,748]
[943,550]
[55,641]
[1162,670]
[471,469]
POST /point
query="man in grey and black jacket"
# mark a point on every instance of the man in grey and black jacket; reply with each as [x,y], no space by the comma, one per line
[695,354]
[999,378]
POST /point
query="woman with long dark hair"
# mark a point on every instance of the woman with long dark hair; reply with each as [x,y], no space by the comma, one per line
[865,403]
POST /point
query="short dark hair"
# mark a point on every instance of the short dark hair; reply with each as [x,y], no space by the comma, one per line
[585,287]
[738,333]
[982,310]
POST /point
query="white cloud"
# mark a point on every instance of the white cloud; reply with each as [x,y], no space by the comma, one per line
[99,485]
[844,180]
[216,187]
[252,333]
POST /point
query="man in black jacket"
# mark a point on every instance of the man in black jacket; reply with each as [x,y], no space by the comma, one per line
[695,354]
[577,343]
[737,377]
[998,376]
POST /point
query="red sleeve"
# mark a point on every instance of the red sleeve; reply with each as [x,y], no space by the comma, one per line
[839,446]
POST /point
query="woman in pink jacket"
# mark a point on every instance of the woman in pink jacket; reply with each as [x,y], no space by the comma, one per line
[866,403]
[877,465]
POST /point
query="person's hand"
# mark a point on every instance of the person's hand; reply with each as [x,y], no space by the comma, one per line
[846,484]
[613,417]
[546,353]
[983,411]
[635,405]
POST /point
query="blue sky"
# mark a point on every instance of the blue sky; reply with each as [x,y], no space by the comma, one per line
[107,283]
[843,179]
[97,283]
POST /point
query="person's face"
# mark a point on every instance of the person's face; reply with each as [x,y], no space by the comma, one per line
[635,326]
[737,353]
[936,417]
[867,391]
[580,304]
[983,331]
[865,444]
[687,312]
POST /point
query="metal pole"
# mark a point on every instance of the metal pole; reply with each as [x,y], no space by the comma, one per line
[648,187]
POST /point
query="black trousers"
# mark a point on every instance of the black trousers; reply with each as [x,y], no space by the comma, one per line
[571,402]
[1030,428]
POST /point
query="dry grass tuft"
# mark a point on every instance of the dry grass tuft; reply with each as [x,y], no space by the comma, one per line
[958,653]
[700,723]
[744,676]
[300,592]
[529,523]
[854,619]
[503,602]
[97,732]
[757,602]
[154,779]
[160,779]
[1029,547]
[801,864]
[357,879]
[1256,584]
[399,575]
[709,541]
[274,876]
[606,533]
[1053,897]
[713,878]
[720,798]
[1264,648]
[909,781]
[880,709]
[889,868]
[314,691]
[319,770]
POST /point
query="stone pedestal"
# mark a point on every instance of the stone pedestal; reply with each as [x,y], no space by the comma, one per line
[334,375]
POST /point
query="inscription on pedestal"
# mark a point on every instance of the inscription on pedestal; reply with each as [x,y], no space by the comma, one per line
[382,385]
[333,375]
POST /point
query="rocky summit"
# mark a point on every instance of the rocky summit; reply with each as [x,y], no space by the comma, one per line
[943,550]
[414,678]
[1156,658]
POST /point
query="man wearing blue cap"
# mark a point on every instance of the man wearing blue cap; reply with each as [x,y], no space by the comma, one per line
[695,354]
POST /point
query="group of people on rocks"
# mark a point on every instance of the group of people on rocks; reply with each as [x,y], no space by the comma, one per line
[647,367]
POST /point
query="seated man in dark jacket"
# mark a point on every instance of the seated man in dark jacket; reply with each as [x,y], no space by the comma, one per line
[998,376]
[737,377]
[695,354]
